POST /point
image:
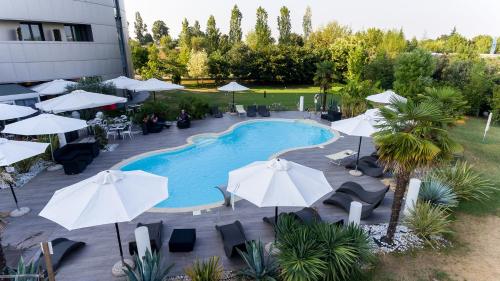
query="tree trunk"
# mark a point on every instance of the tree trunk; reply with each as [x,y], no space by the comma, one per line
[323,101]
[3,261]
[402,180]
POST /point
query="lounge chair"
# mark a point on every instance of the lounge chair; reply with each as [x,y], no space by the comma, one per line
[344,200]
[63,248]
[155,231]
[227,195]
[337,158]
[263,111]
[240,110]
[251,111]
[371,197]
[216,112]
[368,166]
[306,216]
[233,237]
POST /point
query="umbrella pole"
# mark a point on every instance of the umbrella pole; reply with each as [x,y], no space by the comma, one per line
[51,148]
[119,243]
[233,107]
[14,195]
[154,96]
[359,150]
[275,223]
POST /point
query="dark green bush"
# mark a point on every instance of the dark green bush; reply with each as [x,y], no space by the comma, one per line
[195,107]
[160,108]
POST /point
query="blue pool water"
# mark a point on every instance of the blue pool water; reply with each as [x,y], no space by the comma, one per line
[193,171]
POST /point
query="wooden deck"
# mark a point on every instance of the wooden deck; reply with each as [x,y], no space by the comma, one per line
[95,260]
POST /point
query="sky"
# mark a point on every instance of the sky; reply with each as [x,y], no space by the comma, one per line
[418,18]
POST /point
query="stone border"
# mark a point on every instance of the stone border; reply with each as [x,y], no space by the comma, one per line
[191,140]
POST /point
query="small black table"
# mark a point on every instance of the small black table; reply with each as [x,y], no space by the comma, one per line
[182,240]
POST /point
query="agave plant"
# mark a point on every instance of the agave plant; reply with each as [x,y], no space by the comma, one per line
[209,270]
[23,269]
[437,193]
[147,268]
[428,221]
[465,181]
[260,266]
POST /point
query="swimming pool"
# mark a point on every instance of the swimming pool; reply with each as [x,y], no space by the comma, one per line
[193,170]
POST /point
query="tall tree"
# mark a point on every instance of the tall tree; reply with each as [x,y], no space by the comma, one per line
[235,33]
[307,22]
[197,65]
[139,28]
[411,137]
[212,35]
[262,30]
[159,30]
[185,41]
[413,72]
[196,31]
[284,26]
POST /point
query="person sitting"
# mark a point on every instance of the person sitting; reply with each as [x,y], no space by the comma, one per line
[145,123]
[153,125]
[184,120]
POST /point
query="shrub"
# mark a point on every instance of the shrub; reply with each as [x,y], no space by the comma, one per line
[195,107]
[93,84]
[465,182]
[428,221]
[210,270]
[260,266]
[25,165]
[101,136]
[437,193]
[160,108]
[147,268]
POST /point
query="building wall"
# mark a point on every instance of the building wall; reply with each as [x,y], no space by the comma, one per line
[33,61]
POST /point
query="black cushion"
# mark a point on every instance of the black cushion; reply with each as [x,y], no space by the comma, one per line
[183,124]
[182,240]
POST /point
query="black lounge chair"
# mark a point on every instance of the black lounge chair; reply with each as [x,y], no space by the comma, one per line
[233,237]
[155,231]
[216,112]
[251,111]
[306,216]
[357,190]
[368,166]
[343,201]
[63,248]
[263,111]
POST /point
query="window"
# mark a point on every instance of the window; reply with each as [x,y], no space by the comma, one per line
[78,32]
[29,31]
[57,35]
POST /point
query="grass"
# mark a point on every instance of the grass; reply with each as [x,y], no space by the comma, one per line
[485,156]
[287,97]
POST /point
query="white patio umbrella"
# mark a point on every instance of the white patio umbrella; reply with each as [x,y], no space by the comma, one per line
[45,124]
[10,111]
[385,97]
[278,182]
[123,82]
[78,100]
[154,85]
[233,87]
[362,126]
[14,151]
[54,87]
[111,196]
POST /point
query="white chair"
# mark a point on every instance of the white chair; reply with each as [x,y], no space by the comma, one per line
[240,110]
[128,131]
[338,157]
[111,132]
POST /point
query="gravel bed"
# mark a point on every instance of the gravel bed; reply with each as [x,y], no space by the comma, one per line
[21,179]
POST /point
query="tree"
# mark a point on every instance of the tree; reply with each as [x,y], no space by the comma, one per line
[353,96]
[147,39]
[262,30]
[450,100]
[340,50]
[240,58]
[139,54]
[155,67]
[307,23]
[159,30]
[381,70]
[196,30]
[323,78]
[412,137]
[185,41]
[356,60]
[412,72]
[218,66]
[371,39]
[284,26]
[495,103]
[212,35]
[235,33]
[393,43]
[478,89]
[197,65]
[482,43]
[139,28]
[327,35]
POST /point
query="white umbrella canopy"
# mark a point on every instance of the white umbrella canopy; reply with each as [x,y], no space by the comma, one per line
[385,97]
[154,85]
[78,100]
[123,82]
[14,151]
[233,87]
[9,111]
[278,182]
[111,196]
[44,124]
[54,87]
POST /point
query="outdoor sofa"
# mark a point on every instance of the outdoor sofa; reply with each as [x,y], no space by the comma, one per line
[76,156]
[63,248]
[332,115]
[251,111]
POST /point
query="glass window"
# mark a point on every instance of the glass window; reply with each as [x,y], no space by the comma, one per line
[78,32]
[36,31]
[69,33]
[57,35]
[31,32]
[25,32]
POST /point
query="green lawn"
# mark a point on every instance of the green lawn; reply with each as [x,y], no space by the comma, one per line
[287,97]
[485,156]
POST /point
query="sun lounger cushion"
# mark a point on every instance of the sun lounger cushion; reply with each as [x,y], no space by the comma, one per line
[343,201]
[63,248]
[357,190]
[233,237]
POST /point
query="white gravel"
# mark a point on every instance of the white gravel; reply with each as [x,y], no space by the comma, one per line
[23,178]
[404,238]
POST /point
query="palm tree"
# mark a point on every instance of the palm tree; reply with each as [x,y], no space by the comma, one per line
[324,78]
[412,136]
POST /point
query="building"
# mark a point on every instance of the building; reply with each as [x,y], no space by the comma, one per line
[42,40]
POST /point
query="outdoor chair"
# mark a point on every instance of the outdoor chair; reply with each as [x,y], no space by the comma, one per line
[233,238]
[155,231]
[63,248]
[251,111]
[368,166]
[306,216]
[240,110]
[353,188]
[216,113]
[263,111]
[332,115]
[128,131]
[339,157]
[344,200]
